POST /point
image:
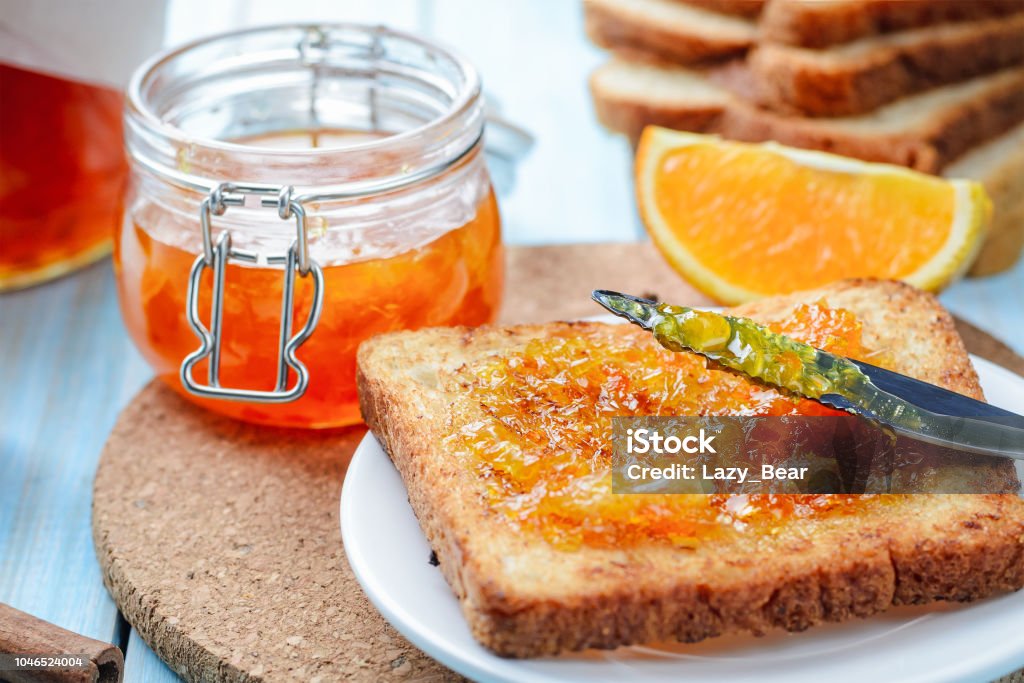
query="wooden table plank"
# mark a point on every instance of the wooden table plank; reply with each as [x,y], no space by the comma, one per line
[182,24]
[67,369]
[141,665]
[575,185]
[995,304]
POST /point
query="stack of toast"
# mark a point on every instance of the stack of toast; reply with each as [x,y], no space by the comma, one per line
[934,85]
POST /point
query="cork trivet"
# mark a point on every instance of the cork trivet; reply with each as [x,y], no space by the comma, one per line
[220,541]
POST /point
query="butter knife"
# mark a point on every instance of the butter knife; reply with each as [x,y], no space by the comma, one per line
[908,406]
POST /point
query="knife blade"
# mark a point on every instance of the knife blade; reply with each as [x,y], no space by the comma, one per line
[908,406]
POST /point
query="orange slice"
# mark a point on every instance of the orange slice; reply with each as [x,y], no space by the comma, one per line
[743,221]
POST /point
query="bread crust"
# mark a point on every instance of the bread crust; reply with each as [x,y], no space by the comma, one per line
[821,24]
[624,112]
[999,163]
[524,598]
[630,117]
[617,25]
[1005,243]
[740,8]
[929,148]
[813,83]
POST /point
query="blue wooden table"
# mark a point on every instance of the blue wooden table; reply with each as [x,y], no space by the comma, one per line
[67,367]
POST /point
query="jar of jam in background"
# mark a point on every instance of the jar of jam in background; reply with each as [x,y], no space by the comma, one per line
[63,68]
[297,190]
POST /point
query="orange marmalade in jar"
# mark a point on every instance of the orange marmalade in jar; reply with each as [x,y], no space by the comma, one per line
[63,68]
[62,174]
[296,190]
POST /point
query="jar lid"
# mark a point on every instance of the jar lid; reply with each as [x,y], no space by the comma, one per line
[189,110]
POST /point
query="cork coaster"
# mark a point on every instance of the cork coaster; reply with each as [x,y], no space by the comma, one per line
[220,541]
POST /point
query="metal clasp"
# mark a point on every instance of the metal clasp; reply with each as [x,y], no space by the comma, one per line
[216,255]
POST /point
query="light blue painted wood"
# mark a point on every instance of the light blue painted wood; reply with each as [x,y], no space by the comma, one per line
[576,184]
[182,24]
[141,665]
[995,304]
[66,370]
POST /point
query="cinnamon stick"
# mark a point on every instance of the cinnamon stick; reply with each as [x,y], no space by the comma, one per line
[29,645]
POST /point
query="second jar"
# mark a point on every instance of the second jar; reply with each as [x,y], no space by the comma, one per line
[288,173]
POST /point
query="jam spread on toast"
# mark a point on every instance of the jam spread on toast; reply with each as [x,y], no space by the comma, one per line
[538,429]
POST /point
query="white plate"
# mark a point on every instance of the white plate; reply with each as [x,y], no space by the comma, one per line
[935,644]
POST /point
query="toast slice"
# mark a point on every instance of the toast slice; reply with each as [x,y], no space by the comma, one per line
[999,166]
[863,75]
[740,8]
[630,94]
[821,24]
[668,29]
[925,132]
[524,596]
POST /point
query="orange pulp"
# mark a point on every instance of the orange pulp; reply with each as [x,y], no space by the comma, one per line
[742,221]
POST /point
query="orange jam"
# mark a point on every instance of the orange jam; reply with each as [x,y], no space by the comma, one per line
[456,279]
[62,174]
[539,432]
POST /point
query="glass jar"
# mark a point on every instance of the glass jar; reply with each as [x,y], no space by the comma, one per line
[62,164]
[295,191]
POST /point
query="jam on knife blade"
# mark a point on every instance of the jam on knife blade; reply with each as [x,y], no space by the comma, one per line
[751,349]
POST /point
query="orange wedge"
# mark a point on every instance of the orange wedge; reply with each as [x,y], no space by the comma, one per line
[743,221]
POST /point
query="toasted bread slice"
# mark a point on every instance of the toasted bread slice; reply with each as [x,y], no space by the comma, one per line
[925,132]
[525,597]
[630,95]
[672,30]
[741,8]
[863,75]
[999,166]
[819,24]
